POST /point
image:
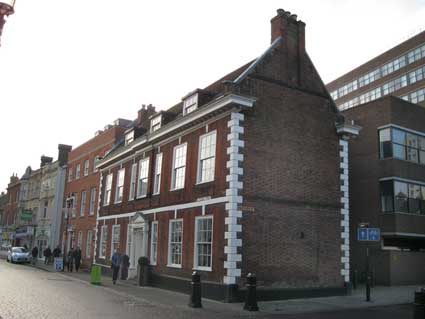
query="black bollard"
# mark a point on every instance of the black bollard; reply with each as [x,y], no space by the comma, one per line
[195,294]
[251,293]
[419,311]
[368,280]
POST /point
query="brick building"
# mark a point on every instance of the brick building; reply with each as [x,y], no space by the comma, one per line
[247,175]
[52,184]
[11,211]
[3,202]
[399,71]
[82,186]
[387,188]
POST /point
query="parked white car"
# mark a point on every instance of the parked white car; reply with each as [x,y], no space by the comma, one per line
[18,255]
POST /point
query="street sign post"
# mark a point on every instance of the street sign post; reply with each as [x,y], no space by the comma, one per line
[367,235]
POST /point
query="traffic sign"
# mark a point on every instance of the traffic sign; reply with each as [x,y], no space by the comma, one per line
[368,234]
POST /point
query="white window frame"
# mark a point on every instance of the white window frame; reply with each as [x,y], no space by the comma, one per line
[141,178]
[200,160]
[154,244]
[190,103]
[113,242]
[70,174]
[129,137]
[196,252]
[92,201]
[157,174]
[169,263]
[74,205]
[83,203]
[94,163]
[133,181]
[103,241]
[77,171]
[156,123]
[89,240]
[108,190]
[119,187]
[174,169]
[86,167]
[80,239]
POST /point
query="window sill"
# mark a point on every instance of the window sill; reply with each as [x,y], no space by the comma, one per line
[155,194]
[142,196]
[176,189]
[203,268]
[174,266]
[119,202]
[204,183]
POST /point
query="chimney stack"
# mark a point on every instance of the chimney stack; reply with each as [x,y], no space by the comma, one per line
[292,31]
[45,160]
[63,153]
[143,115]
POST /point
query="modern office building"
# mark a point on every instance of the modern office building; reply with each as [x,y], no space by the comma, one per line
[399,71]
[387,189]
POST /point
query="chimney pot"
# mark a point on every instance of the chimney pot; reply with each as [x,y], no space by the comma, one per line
[287,13]
[294,16]
[280,12]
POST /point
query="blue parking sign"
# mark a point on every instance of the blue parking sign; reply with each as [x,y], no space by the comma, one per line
[374,234]
[362,234]
[368,234]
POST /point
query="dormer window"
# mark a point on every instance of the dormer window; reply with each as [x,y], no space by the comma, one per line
[156,123]
[190,104]
[129,137]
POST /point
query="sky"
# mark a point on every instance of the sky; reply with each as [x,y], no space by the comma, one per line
[68,68]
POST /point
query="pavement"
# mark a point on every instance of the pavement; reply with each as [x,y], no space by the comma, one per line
[380,296]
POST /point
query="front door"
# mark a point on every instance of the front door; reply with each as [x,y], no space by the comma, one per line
[138,246]
[42,245]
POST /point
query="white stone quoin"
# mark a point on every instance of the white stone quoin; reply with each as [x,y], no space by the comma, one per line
[345,223]
[234,199]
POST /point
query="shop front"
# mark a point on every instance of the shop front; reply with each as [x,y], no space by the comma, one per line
[42,240]
[24,236]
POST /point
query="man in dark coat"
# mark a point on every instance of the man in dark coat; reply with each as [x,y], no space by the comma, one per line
[47,255]
[77,258]
[34,254]
[70,260]
[125,265]
[56,252]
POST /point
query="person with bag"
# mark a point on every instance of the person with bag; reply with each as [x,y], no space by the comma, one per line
[70,260]
[34,254]
[77,258]
[116,263]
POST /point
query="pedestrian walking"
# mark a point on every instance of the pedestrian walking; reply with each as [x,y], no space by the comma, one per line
[56,252]
[116,262]
[47,254]
[70,260]
[125,265]
[34,254]
[77,258]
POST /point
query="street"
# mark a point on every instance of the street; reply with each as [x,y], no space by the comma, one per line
[27,292]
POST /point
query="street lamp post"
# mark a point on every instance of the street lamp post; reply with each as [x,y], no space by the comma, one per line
[6,9]
[69,203]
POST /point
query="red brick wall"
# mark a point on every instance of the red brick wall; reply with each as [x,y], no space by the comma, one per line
[291,235]
[97,146]
[190,192]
